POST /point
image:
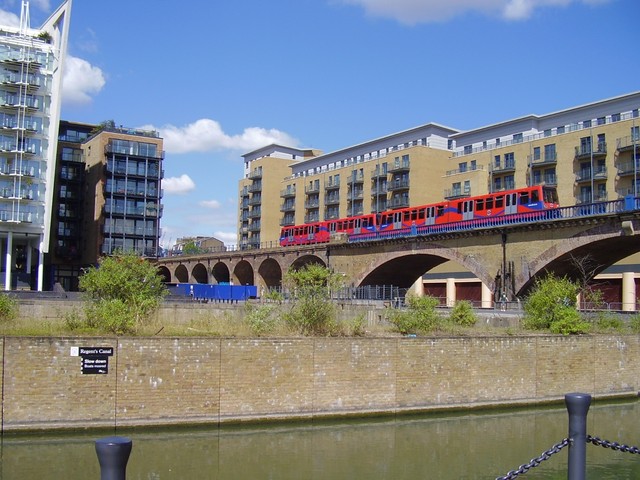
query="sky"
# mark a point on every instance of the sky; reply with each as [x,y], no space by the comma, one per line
[219,79]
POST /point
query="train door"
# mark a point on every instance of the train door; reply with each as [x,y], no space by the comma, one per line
[357,225]
[511,203]
[431,216]
[467,210]
[397,220]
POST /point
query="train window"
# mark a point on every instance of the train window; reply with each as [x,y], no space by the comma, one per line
[524,198]
[440,210]
[499,202]
[480,204]
[535,196]
[429,212]
[489,204]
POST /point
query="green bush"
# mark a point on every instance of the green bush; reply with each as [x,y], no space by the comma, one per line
[607,322]
[312,311]
[463,314]
[122,292]
[262,319]
[552,306]
[420,316]
[634,323]
[8,308]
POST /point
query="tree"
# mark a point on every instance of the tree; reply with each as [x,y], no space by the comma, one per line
[312,313]
[420,315]
[552,305]
[190,248]
[122,291]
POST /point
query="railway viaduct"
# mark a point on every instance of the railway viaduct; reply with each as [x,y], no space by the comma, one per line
[516,253]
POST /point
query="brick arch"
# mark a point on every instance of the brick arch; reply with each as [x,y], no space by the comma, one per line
[270,273]
[199,273]
[304,260]
[243,273]
[596,249]
[220,273]
[181,274]
[402,269]
[164,273]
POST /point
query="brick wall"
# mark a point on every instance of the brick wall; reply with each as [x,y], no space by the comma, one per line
[160,381]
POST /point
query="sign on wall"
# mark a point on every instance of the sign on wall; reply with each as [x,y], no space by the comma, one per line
[94,360]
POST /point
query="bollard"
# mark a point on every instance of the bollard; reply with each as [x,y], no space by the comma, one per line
[577,406]
[113,455]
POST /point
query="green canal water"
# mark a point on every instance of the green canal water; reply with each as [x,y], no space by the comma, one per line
[477,445]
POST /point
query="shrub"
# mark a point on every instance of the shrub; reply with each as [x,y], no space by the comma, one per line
[420,316]
[8,308]
[552,305]
[122,291]
[634,323]
[312,312]
[463,314]
[261,319]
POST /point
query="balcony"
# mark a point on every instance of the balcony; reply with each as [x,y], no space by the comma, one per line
[506,167]
[629,169]
[255,213]
[601,196]
[332,185]
[453,193]
[288,192]
[398,184]
[287,221]
[288,207]
[332,200]
[399,167]
[379,190]
[628,143]
[549,179]
[584,175]
[310,189]
[585,151]
[255,174]
[255,187]
[314,203]
[545,160]
[398,202]
[378,173]
[312,217]
[358,178]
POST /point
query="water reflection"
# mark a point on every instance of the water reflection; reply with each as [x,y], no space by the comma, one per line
[481,445]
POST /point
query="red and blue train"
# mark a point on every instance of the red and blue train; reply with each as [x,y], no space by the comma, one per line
[413,219]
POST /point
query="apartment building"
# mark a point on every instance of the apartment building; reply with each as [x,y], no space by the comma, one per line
[107,197]
[31,61]
[589,152]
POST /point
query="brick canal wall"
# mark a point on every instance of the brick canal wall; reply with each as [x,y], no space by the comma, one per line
[163,381]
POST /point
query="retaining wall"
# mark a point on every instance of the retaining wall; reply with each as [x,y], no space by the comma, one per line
[162,381]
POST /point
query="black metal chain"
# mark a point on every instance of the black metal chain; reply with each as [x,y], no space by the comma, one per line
[534,462]
[612,445]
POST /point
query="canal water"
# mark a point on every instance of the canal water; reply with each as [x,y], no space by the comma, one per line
[476,445]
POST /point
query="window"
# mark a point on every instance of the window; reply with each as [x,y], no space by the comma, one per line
[467,187]
[635,134]
[473,165]
[517,138]
[586,124]
[615,117]
[547,132]
[560,130]
[496,161]
[468,149]
[462,167]
[536,153]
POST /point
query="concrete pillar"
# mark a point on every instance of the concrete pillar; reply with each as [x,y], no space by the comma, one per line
[418,287]
[487,297]
[451,292]
[628,292]
[40,285]
[8,262]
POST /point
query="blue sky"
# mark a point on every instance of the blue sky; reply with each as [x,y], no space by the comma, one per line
[221,78]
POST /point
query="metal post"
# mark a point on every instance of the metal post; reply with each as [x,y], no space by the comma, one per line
[577,406]
[113,455]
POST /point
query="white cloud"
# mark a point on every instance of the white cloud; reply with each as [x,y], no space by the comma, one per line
[178,185]
[9,19]
[207,135]
[212,204]
[81,80]
[412,12]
